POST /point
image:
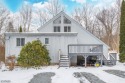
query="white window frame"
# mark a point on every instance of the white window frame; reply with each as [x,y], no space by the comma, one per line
[66,21]
[57,21]
[68,28]
[21,42]
[46,42]
[57,29]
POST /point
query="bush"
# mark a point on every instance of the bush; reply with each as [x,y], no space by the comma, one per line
[33,54]
[122,57]
[11,62]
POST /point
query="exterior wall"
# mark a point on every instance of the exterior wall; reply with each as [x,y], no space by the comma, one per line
[48,28]
[83,37]
[55,43]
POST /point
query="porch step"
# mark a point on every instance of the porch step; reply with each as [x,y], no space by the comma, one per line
[64,64]
[64,61]
[64,56]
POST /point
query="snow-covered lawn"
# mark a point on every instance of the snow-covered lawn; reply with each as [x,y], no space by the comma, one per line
[63,75]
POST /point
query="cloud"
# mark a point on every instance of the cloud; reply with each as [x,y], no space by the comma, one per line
[41,5]
[104,3]
[79,1]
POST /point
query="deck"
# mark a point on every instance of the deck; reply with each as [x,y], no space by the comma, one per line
[86,50]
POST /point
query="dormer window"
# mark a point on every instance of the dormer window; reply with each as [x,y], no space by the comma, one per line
[56,28]
[66,21]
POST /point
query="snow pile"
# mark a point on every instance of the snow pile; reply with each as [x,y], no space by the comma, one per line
[3,67]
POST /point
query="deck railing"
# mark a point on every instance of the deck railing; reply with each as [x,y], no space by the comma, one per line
[85,48]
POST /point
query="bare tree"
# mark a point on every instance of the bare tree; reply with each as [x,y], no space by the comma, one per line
[103,23]
[107,25]
[4,13]
[107,19]
[3,16]
[43,17]
[85,16]
[77,15]
[116,35]
[26,17]
[54,7]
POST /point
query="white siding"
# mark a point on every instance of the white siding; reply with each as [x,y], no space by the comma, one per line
[55,43]
[83,37]
[86,38]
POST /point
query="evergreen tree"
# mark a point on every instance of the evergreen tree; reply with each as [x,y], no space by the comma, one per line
[20,29]
[33,54]
[122,33]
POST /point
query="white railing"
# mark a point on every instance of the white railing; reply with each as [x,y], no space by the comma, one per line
[85,48]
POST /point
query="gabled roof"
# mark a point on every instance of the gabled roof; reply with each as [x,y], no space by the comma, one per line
[51,20]
[72,20]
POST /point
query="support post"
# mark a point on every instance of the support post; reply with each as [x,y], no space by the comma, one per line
[69,57]
[101,59]
[85,61]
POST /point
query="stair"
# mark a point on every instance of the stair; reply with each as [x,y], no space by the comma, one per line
[64,61]
[109,62]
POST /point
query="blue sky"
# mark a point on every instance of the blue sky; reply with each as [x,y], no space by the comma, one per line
[14,5]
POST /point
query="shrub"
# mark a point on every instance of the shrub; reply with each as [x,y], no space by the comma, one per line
[122,57]
[11,62]
[33,54]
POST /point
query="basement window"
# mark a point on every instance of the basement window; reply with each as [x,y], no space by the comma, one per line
[20,41]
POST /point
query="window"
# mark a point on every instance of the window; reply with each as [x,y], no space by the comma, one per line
[46,40]
[67,29]
[57,21]
[66,21]
[56,28]
[20,41]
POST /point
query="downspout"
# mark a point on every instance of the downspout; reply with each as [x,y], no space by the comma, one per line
[7,40]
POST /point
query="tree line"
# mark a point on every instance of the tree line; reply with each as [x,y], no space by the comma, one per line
[104,23]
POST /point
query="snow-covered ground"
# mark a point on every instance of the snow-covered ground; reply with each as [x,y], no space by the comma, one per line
[63,75]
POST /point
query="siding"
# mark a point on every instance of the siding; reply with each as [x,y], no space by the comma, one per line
[83,37]
[55,43]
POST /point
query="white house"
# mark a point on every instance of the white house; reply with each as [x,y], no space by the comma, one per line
[65,39]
